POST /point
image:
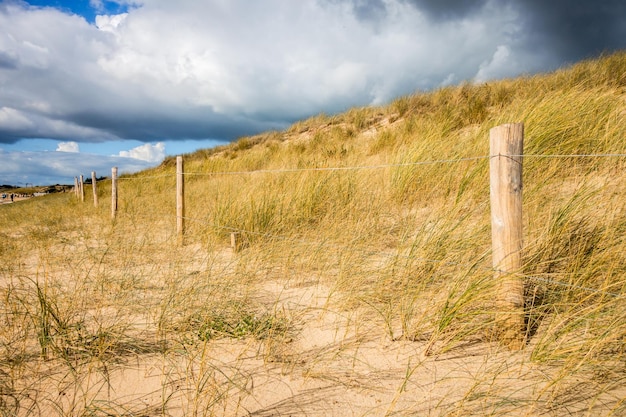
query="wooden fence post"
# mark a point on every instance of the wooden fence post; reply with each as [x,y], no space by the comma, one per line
[113,192]
[180,199]
[234,242]
[506,144]
[82,188]
[94,189]
[76,186]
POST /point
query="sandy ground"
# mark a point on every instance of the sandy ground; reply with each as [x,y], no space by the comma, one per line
[333,363]
[335,366]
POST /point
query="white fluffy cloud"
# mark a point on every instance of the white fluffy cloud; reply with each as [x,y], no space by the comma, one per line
[68,147]
[190,69]
[146,152]
[499,65]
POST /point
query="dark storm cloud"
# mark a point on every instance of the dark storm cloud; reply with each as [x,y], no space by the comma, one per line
[575,29]
[448,9]
[149,127]
[570,29]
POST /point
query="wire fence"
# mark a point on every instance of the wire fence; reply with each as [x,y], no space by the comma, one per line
[396,255]
[398,165]
[372,167]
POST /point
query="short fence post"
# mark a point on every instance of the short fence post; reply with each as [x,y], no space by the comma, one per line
[113,192]
[234,241]
[76,187]
[506,148]
[180,199]
[82,188]
[94,189]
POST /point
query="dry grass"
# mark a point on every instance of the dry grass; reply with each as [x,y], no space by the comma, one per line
[356,291]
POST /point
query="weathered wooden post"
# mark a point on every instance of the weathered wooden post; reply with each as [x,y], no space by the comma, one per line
[506,144]
[76,186]
[82,188]
[234,242]
[180,199]
[94,189]
[113,192]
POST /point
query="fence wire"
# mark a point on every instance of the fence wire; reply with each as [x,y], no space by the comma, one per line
[370,167]
[384,166]
[144,178]
[348,168]
[407,257]
[399,165]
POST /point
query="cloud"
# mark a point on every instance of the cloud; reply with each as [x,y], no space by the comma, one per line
[498,66]
[14,120]
[108,23]
[229,69]
[44,168]
[146,152]
[166,70]
[573,30]
[448,9]
[8,61]
[68,147]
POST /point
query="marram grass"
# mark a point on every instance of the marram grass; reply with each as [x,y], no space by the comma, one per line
[374,224]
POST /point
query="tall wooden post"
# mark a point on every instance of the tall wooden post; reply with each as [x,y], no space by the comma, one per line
[82,188]
[113,192]
[506,147]
[180,199]
[94,189]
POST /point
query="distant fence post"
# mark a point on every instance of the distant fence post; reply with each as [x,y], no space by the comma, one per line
[180,199]
[113,192]
[94,189]
[82,188]
[235,243]
[506,144]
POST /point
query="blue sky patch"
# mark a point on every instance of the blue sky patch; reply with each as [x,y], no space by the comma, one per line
[82,7]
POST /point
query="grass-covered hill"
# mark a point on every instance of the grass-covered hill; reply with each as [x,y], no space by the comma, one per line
[362,283]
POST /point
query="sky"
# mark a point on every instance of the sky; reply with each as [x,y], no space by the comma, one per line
[86,85]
